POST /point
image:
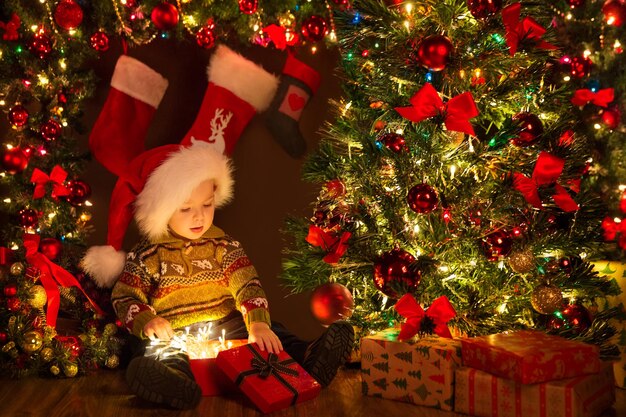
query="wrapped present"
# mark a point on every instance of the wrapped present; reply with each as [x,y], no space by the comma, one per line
[271,381]
[529,356]
[616,270]
[202,356]
[479,393]
[418,371]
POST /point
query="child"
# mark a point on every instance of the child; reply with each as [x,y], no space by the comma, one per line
[185,272]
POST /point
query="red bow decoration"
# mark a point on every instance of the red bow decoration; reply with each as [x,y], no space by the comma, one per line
[457,111]
[52,275]
[10,28]
[277,35]
[517,29]
[602,98]
[57,177]
[335,247]
[612,229]
[547,171]
[439,313]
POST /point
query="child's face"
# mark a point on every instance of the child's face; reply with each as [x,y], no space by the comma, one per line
[195,216]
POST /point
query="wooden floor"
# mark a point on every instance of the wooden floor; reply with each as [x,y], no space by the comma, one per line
[104,394]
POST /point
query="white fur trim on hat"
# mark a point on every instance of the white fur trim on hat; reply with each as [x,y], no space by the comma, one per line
[103,264]
[170,185]
[244,78]
[138,80]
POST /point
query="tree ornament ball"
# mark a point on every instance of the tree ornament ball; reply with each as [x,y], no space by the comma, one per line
[546,298]
[483,9]
[112,361]
[522,261]
[614,12]
[575,3]
[68,14]
[580,67]
[530,129]
[331,302]
[40,45]
[13,304]
[10,290]
[248,6]
[38,296]
[393,141]
[27,218]
[14,160]
[46,354]
[80,191]
[99,41]
[3,337]
[17,269]
[434,52]
[497,244]
[50,130]
[31,341]
[164,16]
[422,198]
[610,118]
[18,115]
[205,37]
[54,370]
[335,188]
[50,247]
[314,28]
[70,370]
[393,274]
[572,316]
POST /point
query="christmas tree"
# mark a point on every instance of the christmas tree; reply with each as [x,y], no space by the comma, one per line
[48,50]
[454,168]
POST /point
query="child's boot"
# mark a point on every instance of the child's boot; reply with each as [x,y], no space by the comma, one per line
[328,352]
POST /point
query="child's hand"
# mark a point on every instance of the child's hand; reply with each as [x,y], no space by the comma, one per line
[158,327]
[261,334]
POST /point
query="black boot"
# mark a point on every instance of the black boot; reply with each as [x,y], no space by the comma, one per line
[169,381]
[328,352]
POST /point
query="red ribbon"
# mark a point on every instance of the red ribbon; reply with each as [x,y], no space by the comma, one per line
[10,28]
[51,276]
[517,29]
[457,111]
[440,312]
[57,177]
[335,247]
[612,229]
[602,98]
[547,171]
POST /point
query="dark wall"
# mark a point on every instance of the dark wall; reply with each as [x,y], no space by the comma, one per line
[268,184]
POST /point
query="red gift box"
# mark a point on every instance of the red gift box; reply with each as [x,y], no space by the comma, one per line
[530,356]
[271,381]
[211,380]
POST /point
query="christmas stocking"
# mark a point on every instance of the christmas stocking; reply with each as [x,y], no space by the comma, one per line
[298,83]
[237,90]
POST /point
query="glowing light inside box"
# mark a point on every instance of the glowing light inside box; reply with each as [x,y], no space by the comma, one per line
[200,345]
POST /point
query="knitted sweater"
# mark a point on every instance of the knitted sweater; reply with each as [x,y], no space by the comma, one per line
[187,282]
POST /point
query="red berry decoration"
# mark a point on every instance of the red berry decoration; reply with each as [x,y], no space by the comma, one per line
[50,130]
[434,52]
[530,129]
[248,6]
[205,38]
[18,115]
[99,41]
[164,16]
[314,28]
[50,247]
[80,191]
[497,244]
[335,188]
[422,198]
[40,45]
[27,218]
[580,66]
[68,14]
[331,302]
[614,12]
[393,142]
[10,290]
[130,3]
[393,274]
[14,160]
[610,118]
[482,9]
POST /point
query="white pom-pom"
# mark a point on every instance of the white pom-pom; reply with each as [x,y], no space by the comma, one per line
[104,265]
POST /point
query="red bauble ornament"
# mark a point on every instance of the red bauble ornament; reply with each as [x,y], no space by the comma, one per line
[530,129]
[50,130]
[27,218]
[610,118]
[164,16]
[73,344]
[341,2]
[497,244]
[331,302]
[580,66]
[80,191]
[50,247]
[3,337]
[99,41]
[335,188]
[614,12]
[422,198]
[575,3]
[393,142]
[248,6]
[131,3]
[205,38]
[573,316]
[434,52]
[68,14]
[18,115]
[393,274]
[314,28]
[10,290]
[13,304]
[40,45]
[14,160]
[482,9]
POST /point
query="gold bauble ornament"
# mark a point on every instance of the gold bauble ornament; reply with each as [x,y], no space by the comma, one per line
[38,296]
[32,341]
[70,370]
[46,354]
[17,268]
[109,329]
[54,370]
[9,346]
[546,298]
[521,262]
[112,361]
